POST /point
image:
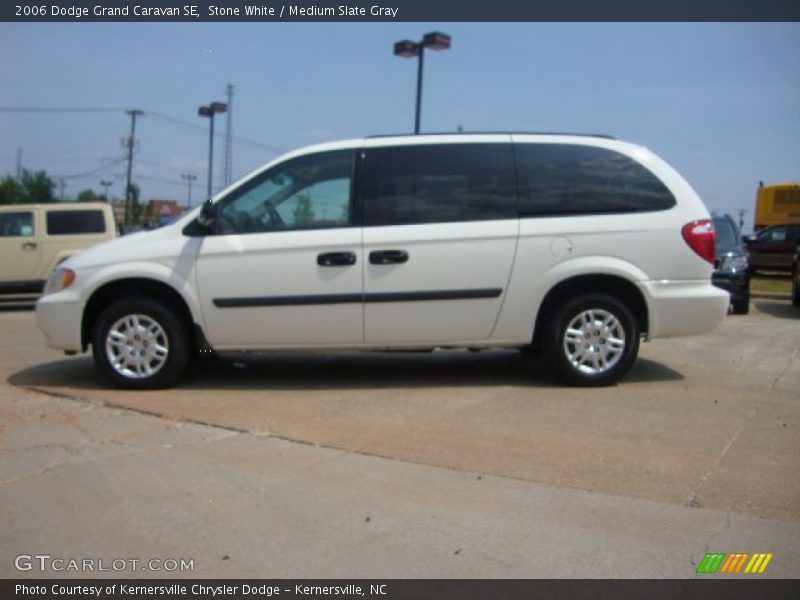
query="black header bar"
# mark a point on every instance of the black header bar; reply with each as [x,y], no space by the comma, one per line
[709,588]
[398,10]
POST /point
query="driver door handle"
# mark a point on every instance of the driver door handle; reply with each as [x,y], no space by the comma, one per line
[387,257]
[29,246]
[336,259]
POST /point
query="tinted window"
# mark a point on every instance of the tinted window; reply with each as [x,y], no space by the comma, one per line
[308,192]
[563,179]
[775,234]
[16,224]
[439,183]
[726,232]
[75,222]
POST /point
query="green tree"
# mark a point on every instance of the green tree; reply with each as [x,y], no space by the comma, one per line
[88,195]
[10,191]
[303,214]
[135,208]
[31,188]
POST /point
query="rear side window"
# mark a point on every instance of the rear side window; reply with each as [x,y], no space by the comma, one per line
[439,183]
[16,224]
[75,222]
[567,179]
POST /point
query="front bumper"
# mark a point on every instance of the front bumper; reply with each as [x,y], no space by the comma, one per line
[736,284]
[60,321]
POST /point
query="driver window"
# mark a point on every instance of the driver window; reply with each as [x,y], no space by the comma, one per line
[778,234]
[16,224]
[308,192]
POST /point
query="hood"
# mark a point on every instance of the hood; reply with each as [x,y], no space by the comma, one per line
[156,245]
[736,249]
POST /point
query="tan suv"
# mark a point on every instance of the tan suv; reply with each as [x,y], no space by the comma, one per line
[34,238]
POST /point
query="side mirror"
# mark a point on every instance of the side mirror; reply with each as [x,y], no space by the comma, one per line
[749,239]
[208,215]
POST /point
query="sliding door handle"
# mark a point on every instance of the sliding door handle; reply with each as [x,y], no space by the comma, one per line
[387,257]
[336,259]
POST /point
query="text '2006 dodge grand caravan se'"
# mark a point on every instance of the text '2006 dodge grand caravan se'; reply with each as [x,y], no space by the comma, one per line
[576,245]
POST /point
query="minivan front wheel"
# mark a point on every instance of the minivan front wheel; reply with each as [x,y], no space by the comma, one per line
[139,343]
[593,340]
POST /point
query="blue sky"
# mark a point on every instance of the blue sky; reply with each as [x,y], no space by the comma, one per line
[720,102]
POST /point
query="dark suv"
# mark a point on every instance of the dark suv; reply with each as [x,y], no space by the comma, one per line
[796,277]
[773,247]
[730,266]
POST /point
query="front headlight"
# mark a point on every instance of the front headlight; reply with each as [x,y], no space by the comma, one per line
[733,264]
[60,280]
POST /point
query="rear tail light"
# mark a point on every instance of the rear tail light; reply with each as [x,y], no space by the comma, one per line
[701,238]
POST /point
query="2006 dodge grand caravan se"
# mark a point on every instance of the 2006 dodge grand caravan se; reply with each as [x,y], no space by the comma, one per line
[577,245]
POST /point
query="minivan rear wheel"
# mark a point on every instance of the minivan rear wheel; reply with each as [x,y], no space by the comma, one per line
[139,343]
[592,340]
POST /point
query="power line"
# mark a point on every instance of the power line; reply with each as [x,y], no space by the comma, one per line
[159,179]
[195,127]
[155,114]
[40,159]
[57,109]
[95,171]
[161,165]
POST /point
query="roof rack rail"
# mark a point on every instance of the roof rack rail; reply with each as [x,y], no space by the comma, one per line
[594,135]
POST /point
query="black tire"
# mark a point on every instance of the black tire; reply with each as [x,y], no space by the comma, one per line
[795,289]
[606,310]
[741,306]
[161,337]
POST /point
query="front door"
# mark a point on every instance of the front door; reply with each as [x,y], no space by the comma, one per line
[284,267]
[19,246]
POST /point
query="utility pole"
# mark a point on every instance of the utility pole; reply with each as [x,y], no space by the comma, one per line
[61,185]
[228,166]
[742,212]
[19,164]
[133,113]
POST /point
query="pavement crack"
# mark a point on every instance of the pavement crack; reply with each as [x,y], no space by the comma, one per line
[38,472]
[707,545]
[691,500]
[784,368]
[725,527]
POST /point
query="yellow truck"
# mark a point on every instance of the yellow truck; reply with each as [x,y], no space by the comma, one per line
[777,204]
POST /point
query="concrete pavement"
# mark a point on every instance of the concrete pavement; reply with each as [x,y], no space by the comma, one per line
[410,465]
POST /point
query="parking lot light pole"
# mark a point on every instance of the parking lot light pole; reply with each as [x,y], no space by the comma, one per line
[189,179]
[435,40]
[209,111]
[106,184]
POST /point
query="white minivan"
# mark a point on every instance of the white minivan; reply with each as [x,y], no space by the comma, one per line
[575,245]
